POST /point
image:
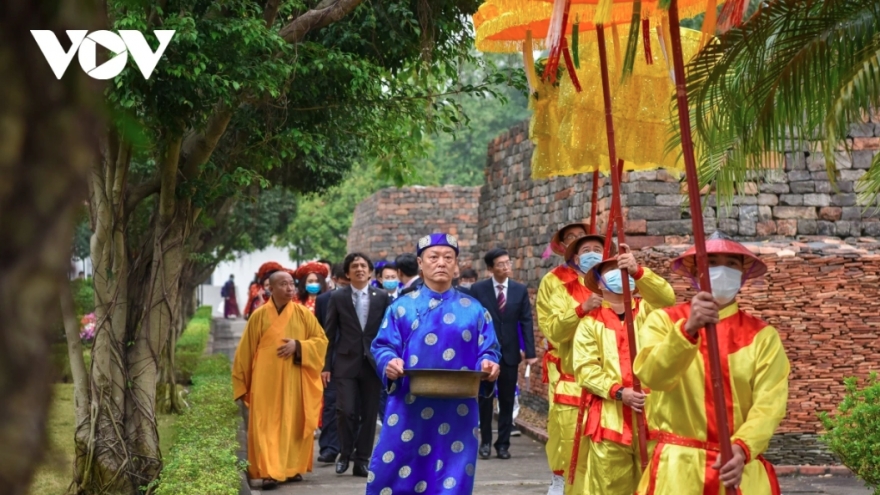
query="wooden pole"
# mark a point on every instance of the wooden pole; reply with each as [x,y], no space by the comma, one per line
[617,217]
[594,200]
[693,185]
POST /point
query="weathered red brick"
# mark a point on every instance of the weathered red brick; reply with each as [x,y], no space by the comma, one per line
[812,470]
[786,470]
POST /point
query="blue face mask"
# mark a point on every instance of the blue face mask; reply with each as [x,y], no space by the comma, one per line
[313,288]
[587,261]
[614,282]
[391,285]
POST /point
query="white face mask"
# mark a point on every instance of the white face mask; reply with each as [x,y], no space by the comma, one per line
[726,283]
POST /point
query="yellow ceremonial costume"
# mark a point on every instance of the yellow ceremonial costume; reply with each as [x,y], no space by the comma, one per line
[283,395]
[558,305]
[608,462]
[682,416]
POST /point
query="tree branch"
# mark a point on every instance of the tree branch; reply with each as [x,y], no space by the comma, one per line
[270,11]
[198,146]
[141,192]
[316,19]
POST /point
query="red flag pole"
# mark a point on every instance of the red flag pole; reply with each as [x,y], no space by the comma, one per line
[693,185]
[617,217]
[594,200]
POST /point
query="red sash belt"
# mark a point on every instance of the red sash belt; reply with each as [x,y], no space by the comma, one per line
[667,438]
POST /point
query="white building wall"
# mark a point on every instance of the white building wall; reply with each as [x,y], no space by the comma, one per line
[244,269]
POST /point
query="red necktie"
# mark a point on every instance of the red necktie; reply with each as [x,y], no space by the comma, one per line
[502,301]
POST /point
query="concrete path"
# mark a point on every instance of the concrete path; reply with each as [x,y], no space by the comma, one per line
[526,473]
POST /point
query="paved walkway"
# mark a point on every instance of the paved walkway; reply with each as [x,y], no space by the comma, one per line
[526,473]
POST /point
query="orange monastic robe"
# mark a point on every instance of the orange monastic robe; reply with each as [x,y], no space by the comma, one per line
[282,394]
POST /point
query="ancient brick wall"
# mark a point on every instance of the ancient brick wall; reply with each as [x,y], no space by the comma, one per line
[391,221]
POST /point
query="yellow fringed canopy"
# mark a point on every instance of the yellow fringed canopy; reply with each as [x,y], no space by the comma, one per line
[642,115]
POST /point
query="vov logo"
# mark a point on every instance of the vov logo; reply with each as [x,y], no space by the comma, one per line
[127,42]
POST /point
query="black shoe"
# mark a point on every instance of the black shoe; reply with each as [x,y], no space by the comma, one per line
[341,465]
[327,458]
[503,454]
[295,479]
[360,470]
[485,451]
[269,484]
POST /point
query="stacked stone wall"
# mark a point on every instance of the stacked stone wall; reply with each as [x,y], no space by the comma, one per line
[391,221]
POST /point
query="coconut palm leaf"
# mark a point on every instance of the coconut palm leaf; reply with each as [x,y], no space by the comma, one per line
[793,77]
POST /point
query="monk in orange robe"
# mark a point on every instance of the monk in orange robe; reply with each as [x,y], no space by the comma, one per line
[277,374]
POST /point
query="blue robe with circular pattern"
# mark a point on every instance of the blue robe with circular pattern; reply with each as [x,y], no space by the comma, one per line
[430,445]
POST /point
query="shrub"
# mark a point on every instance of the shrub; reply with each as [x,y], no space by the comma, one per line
[854,432]
[203,460]
[83,296]
[191,345]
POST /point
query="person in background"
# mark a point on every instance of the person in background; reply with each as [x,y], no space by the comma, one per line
[254,289]
[312,281]
[377,274]
[276,374]
[408,272]
[230,304]
[328,280]
[561,302]
[610,451]
[468,278]
[508,303]
[353,318]
[328,442]
[263,293]
[388,280]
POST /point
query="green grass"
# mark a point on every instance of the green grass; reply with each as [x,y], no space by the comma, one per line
[56,473]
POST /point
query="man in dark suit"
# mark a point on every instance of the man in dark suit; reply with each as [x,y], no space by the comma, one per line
[508,303]
[408,273]
[354,314]
[328,443]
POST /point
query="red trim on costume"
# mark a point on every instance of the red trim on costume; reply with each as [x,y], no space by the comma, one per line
[613,391]
[771,476]
[567,400]
[639,274]
[559,472]
[594,428]
[580,311]
[691,338]
[569,278]
[655,466]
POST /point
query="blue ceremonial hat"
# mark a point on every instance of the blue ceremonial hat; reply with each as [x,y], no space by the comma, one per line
[437,239]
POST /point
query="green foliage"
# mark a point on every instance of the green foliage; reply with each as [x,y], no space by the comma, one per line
[854,432]
[320,227]
[800,73]
[83,296]
[459,158]
[82,236]
[203,458]
[191,344]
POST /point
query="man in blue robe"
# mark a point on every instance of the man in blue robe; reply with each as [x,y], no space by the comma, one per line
[430,445]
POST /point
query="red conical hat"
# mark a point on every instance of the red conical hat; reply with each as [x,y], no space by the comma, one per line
[720,243]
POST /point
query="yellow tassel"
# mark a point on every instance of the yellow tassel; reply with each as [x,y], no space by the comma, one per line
[529,62]
[615,39]
[603,12]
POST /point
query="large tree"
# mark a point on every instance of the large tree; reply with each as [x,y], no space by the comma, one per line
[47,142]
[247,95]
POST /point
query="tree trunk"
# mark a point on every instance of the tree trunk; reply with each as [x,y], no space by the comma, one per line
[45,151]
[75,354]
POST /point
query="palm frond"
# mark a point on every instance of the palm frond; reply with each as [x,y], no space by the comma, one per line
[794,76]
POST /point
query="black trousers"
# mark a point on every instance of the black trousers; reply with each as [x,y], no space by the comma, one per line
[506,396]
[357,407]
[329,441]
